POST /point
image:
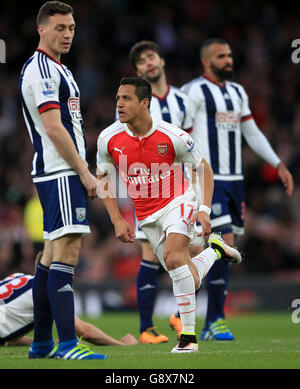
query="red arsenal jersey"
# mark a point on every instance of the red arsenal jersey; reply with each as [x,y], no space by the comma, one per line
[151,166]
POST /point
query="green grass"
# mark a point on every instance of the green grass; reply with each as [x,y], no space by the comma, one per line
[263,341]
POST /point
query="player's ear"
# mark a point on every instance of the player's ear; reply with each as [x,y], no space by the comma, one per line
[146,103]
[205,62]
[40,30]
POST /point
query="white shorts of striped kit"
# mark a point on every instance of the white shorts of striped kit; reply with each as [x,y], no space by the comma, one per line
[64,202]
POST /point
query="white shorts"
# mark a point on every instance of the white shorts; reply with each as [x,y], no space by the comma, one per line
[16,316]
[139,233]
[173,218]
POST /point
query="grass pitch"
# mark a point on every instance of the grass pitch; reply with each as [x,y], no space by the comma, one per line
[263,341]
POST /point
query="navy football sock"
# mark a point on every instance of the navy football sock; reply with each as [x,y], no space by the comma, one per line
[61,297]
[146,292]
[216,286]
[43,319]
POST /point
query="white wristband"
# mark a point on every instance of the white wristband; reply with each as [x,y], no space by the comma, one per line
[204,208]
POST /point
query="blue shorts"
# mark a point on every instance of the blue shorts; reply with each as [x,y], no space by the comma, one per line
[228,207]
[64,202]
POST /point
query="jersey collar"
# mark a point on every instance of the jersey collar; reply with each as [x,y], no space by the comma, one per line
[150,132]
[48,55]
[164,96]
[214,82]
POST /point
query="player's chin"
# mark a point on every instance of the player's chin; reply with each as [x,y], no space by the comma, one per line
[122,118]
[65,49]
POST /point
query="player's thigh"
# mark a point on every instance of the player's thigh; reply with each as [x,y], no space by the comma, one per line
[195,250]
[176,254]
[179,232]
[155,236]
[147,251]
[176,250]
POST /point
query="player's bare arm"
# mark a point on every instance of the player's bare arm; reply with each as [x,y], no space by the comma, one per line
[66,148]
[206,179]
[94,335]
[88,332]
[123,230]
[20,341]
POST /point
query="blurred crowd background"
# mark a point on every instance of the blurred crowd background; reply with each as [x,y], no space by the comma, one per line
[260,34]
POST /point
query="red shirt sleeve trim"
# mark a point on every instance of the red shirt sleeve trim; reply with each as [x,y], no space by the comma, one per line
[245,118]
[46,107]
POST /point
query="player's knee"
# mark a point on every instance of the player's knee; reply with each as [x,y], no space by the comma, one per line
[174,258]
[195,250]
[66,249]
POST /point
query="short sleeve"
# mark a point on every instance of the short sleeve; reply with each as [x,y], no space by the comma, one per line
[186,151]
[246,113]
[45,92]
[104,160]
[190,113]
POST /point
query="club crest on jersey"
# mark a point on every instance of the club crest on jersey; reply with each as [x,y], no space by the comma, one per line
[162,149]
[48,88]
[80,214]
[217,209]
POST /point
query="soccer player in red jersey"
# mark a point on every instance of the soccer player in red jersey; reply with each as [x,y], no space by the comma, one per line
[149,154]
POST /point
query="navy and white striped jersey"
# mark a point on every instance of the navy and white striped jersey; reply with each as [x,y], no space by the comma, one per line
[217,130]
[174,107]
[16,306]
[45,84]
[14,286]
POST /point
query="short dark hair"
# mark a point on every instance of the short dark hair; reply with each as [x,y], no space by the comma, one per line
[51,8]
[137,49]
[143,88]
[209,42]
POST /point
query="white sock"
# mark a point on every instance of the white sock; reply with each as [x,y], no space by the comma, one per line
[184,293]
[204,261]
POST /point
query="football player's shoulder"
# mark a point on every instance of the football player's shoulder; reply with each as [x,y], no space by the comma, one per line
[186,88]
[237,86]
[39,68]
[170,129]
[234,83]
[31,69]
[179,92]
[163,125]
[111,130]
